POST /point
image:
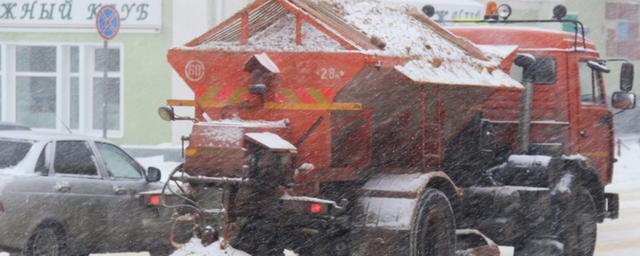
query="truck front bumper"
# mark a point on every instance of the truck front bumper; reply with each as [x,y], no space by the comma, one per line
[613,206]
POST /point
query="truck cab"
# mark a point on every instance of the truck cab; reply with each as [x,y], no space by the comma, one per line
[570,113]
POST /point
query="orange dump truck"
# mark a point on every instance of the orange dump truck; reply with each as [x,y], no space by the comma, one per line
[332,127]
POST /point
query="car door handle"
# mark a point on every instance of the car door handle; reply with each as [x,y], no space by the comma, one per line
[62,187]
[120,190]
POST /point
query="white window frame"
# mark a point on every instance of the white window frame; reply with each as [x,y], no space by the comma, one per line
[86,74]
[3,80]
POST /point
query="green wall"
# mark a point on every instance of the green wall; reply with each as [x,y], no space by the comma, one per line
[147,76]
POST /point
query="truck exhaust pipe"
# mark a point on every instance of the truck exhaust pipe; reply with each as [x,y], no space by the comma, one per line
[525,61]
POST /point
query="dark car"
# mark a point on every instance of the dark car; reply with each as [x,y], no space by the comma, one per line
[73,195]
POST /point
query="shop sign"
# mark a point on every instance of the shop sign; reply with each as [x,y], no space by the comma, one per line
[137,16]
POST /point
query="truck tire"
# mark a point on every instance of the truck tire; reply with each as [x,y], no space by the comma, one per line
[433,227]
[577,224]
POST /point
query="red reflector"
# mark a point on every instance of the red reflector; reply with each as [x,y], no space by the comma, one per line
[316,208]
[154,200]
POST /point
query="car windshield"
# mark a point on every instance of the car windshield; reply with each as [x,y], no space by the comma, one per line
[12,153]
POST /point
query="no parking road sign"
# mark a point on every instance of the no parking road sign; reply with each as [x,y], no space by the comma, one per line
[108,22]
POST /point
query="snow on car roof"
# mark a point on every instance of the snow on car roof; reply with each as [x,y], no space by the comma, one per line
[435,55]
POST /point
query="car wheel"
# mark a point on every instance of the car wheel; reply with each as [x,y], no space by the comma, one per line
[45,241]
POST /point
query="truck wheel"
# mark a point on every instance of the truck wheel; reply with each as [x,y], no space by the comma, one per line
[433,226]
[578,224]
[45,241]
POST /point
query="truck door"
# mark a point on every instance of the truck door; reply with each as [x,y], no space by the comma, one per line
[596,121]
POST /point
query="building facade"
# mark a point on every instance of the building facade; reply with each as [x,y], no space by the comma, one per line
[52,64]
[52,68]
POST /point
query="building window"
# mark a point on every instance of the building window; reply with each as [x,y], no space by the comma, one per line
[36,86]
[106,90]
[59,87]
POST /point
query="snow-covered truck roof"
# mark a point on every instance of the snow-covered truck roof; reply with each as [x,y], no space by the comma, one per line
[432,54]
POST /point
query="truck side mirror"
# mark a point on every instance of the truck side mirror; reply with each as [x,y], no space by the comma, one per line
[623,100]
[626,77]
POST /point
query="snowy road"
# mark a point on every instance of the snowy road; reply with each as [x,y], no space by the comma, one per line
[622,236]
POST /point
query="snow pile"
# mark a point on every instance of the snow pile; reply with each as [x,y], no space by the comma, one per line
[195,247]
[228,136]
[434,55]
[282,35]
[433,58]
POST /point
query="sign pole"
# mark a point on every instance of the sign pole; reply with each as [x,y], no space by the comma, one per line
[108,24]
[104,88]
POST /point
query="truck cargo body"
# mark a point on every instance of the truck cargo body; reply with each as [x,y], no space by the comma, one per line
[330,133]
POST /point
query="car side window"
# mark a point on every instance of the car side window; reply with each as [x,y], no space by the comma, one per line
[74,157]
[13,152]
[42,165]
[119,164]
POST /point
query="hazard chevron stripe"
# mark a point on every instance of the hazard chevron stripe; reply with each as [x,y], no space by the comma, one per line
[299,106]
[288,98]
[286,95]
[272,105]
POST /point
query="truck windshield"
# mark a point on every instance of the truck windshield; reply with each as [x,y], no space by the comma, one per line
[12,153]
